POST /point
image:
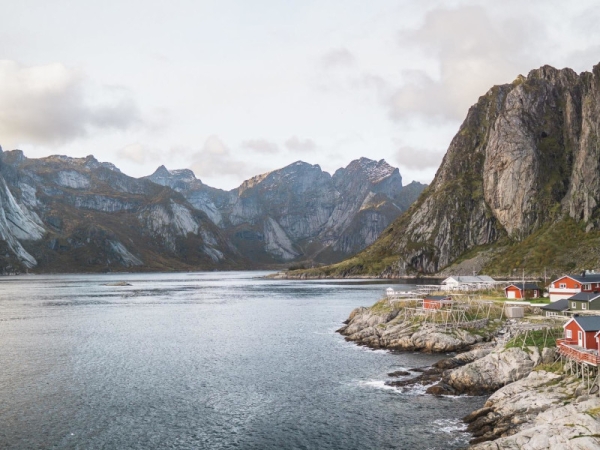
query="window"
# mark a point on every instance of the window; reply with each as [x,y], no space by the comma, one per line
[576,285]
[587,287]
[573,305]
[583,306]
[568,334]
[562,286]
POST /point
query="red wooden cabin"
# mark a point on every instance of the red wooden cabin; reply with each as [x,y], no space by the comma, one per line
[582,331]
[436,301]
[522,290]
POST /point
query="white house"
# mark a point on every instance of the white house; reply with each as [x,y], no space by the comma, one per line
[465,283]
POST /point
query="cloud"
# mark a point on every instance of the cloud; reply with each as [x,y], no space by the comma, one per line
[294,144]
[471,52]
[215,159]
[51,104]
[418,158]
[261,146]
[340,57]
[139,153]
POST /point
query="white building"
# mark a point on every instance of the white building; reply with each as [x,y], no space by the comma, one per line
[467,283]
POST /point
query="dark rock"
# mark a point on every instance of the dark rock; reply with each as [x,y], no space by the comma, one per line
[399,373]
[440,389]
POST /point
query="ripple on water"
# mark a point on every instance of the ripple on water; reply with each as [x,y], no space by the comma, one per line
[216,361]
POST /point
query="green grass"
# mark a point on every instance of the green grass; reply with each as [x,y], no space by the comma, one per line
[537,338]
[556,248]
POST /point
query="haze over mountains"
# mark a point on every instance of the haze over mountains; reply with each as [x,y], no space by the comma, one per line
[62,214]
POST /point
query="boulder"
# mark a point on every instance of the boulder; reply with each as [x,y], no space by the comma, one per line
[491,372]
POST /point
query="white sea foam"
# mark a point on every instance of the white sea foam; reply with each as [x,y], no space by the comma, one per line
[416,389]
[450,425]
[377,384]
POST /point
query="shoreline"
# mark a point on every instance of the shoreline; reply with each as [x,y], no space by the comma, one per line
[532,401]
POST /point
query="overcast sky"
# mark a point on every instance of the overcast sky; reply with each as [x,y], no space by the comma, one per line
[232,89]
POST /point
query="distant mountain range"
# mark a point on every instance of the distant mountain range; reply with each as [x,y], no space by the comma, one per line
[518,189]
[62,214]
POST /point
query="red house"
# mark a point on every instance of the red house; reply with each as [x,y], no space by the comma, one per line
[569,285]
[436,301]
[582,331]
[522,290]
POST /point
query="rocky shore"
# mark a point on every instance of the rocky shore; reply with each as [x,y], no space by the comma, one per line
[382,327]
[534,403]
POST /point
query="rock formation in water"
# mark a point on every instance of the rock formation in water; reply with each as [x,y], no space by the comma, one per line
[525,161]
[301,212]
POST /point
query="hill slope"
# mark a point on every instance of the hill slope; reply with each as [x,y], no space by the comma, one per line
[63,214]
[519,185]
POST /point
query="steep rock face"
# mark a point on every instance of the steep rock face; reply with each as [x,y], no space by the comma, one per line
[525,157]
[77,214]
[300,212]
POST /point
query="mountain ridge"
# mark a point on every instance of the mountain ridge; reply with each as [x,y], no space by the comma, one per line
[64,214]
[525,162]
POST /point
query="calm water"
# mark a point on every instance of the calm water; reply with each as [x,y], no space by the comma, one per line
[204,360]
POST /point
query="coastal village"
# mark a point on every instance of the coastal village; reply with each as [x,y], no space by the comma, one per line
[533,347]
[573,300]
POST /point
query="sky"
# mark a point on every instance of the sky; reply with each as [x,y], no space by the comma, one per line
[232,89]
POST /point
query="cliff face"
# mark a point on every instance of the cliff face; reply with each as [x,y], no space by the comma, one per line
[525,158]
[301,212]
[61,214]
[65,214]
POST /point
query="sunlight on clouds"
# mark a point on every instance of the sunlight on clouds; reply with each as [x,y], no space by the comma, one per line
[47,104]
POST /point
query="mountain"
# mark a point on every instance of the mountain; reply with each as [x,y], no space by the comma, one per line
[519,187]
[62,214]
[300,212]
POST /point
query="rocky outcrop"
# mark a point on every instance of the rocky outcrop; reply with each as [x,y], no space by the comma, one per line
[525,157]
[380,327]
[544,410]
[299,212]
[493,371]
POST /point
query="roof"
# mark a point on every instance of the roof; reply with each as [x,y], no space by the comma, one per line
[588,278]
[586,323]
[560,305]
[528,286]
[585,296]
[470,279]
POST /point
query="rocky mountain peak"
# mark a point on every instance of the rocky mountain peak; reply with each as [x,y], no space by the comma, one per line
[13,156]
[179,179]
[375,171]
[297,171]
[525,160]
[90,162]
